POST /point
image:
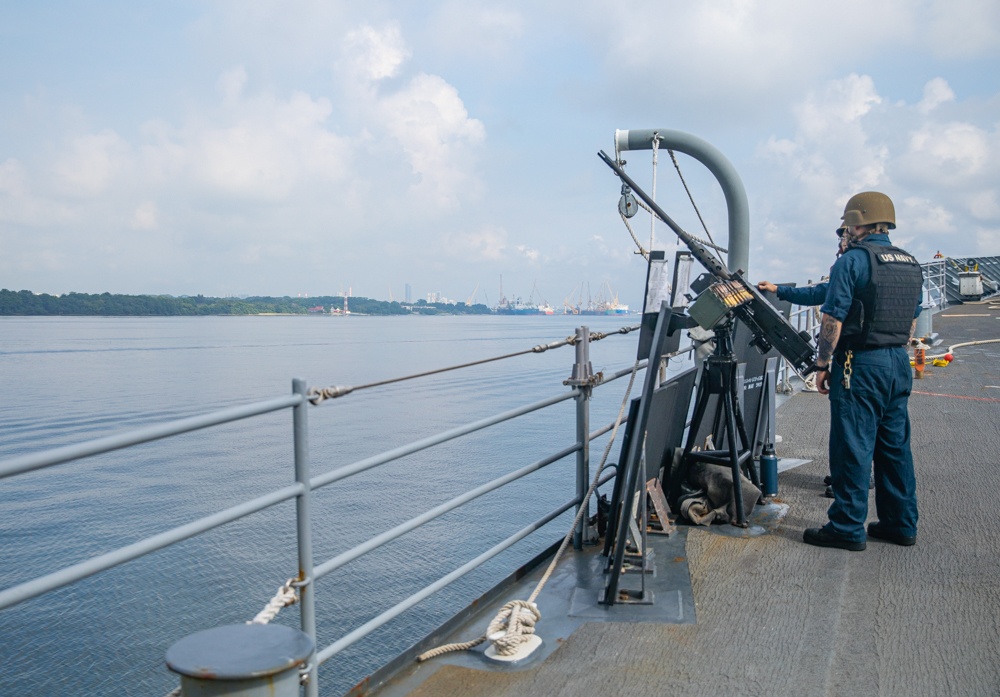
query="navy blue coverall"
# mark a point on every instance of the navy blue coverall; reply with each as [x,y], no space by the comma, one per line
[870,422]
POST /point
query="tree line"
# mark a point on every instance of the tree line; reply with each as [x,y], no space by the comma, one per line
[25,302]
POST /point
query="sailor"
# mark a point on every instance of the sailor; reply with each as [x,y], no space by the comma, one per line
[868,317]
[810,296]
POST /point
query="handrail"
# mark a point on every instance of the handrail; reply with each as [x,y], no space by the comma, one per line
[430,441]
[436,512]
[57,456]
[376,622]
[300,490]
[71,574]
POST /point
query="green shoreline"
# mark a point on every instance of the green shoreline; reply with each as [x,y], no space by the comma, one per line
[26,303]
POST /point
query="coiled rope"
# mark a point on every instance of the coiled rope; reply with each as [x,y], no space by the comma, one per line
[515,623]
[317,395]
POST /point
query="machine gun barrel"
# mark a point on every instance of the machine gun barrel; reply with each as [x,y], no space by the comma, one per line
[769,327]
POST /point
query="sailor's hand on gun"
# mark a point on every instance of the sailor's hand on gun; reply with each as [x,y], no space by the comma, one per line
[767,286]
[822,380]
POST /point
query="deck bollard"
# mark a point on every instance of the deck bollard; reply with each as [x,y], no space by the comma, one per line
[249,660]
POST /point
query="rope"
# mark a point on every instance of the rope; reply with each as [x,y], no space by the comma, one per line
[285,596]
[708,243]
[317,395]
[515,622]
[642,250]
[693,204]
[656,160]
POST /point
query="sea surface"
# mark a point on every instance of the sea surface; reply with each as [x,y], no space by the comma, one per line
[67,380]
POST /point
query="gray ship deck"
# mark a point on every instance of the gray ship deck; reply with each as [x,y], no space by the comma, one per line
[774,616]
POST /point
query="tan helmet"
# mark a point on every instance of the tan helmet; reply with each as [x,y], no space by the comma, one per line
[869,208]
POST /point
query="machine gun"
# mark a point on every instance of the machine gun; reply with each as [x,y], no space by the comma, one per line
[722,294]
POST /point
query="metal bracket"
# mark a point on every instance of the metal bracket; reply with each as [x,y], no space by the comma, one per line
[659,521]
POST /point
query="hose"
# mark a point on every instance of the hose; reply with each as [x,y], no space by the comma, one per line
[951,349]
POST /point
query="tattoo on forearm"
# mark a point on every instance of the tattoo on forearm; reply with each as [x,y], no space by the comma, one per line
[829,334]
[913,328]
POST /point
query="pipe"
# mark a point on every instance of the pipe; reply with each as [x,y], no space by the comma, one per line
[725,174]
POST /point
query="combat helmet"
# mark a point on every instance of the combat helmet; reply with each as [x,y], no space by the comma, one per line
[869,208]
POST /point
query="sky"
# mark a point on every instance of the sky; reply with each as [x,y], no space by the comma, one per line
[313,147]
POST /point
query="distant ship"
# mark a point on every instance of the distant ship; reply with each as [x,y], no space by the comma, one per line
[516,307]
[604,305]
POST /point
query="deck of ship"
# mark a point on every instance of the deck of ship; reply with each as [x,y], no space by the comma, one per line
[774,616]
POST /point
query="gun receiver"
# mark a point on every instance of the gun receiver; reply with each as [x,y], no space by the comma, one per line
[769,327]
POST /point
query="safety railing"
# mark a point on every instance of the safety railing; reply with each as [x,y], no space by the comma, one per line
[305,483]
[935,296]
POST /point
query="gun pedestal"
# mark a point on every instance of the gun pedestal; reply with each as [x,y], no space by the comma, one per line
[719,378]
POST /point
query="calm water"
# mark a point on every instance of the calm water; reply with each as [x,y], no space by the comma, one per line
[71,379]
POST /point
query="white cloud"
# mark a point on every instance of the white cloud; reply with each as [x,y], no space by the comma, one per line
[257,146]
[423,117]
[90,163]
[361,132]
[966,29]
[943,176]
[487,243]
[376,54]
[739,52]
[527,252]
[433,128]
[958,152]
[984,206]
[925,218]
[831,154]
[936,93]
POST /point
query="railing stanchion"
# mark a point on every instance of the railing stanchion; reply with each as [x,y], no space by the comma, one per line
[307,598]
[582,375]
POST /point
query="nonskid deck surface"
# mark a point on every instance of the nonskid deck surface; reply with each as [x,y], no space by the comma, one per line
[775,616]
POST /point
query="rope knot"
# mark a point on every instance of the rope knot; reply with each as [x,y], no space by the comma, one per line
[512,626]
[320,394]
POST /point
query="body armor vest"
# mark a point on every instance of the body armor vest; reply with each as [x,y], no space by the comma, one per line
[881,313]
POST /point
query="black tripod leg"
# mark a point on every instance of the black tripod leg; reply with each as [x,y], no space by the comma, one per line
[734,458]
[678,478]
